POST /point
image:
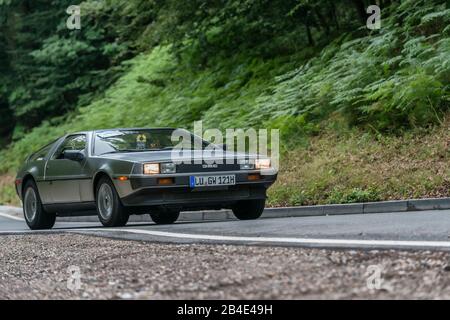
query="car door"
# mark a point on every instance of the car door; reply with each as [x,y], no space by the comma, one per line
[64,175]
[36,164]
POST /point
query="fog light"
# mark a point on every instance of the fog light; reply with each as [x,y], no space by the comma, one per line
[246,164]
[166,181]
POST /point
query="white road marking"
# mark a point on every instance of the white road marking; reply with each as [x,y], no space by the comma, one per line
[9,216]
[284,240]
[327,242]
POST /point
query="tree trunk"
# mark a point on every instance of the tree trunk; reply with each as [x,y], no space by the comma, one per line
[322,21]
[332,10]
[309,33]
[361,10]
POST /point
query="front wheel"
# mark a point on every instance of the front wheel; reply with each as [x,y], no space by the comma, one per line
[249,209]
[35,215]
[165,217]
[110,210]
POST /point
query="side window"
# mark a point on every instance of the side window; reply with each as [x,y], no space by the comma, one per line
[77,143]
[41,154]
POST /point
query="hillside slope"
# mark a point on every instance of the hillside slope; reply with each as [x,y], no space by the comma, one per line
[365,115]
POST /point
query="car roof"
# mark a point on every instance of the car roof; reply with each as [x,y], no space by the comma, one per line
[125,129]
[163,128]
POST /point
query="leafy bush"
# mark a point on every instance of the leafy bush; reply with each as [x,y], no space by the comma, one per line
[394,78]
[355,195]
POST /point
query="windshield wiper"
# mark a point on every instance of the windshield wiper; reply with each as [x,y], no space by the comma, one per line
[131,150]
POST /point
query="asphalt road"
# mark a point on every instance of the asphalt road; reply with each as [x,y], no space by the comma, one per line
[428,230]
[263,259]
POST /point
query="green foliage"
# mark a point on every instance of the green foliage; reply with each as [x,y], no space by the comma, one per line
[288,196]
[8,196]
[53,71]
[393,78]
[355,195]
[50,70]
[297,65]
[295,130]
[397,77]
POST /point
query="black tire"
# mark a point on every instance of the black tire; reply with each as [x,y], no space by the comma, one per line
[249,209]
[110,210]
[35,215]
[165,217]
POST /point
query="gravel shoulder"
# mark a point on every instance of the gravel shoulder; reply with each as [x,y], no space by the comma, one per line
[38,267]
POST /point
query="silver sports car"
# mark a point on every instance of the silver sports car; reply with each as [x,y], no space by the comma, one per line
[117,172]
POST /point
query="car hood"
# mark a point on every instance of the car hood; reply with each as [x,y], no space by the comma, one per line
[166,156]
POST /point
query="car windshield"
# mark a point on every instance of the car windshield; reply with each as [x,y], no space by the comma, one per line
[116,141]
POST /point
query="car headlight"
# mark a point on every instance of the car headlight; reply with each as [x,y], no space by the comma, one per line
[262,164]
[167,168]
[157,168]
[246,164]
[151,168]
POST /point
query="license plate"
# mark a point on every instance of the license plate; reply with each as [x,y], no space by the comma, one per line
[206,181]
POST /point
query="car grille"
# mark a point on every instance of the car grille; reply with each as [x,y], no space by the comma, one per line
[187,168]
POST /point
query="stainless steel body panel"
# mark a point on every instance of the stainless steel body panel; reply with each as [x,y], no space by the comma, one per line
[64,182]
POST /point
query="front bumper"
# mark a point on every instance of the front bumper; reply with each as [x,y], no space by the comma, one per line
[147,192]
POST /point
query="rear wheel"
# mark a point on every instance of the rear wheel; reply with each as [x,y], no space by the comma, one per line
[165,217]
[35,215]
[110,210]
[249,209]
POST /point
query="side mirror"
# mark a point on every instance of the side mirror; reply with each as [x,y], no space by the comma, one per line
[73,155]
[222,146]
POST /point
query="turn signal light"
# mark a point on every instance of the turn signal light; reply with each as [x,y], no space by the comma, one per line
[254,177]
[122,178]
[166,181]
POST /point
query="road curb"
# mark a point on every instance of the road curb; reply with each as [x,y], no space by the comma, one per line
[285,212]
